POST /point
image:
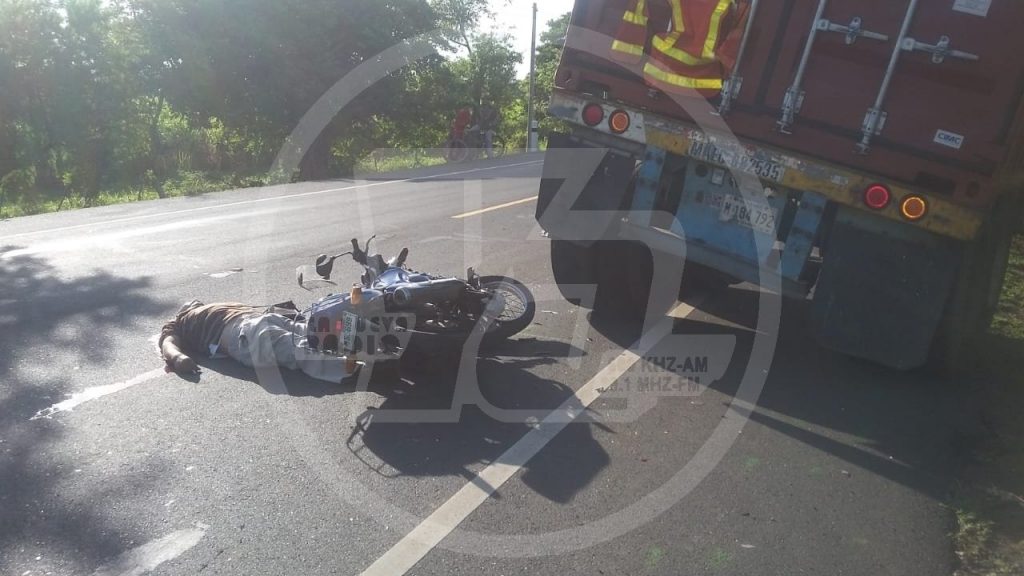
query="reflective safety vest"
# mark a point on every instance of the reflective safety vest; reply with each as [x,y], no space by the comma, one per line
[696,53]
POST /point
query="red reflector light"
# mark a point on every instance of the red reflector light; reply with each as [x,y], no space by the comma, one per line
[914,207]
[877,197]
[339,326]
[593,114]
[619,122]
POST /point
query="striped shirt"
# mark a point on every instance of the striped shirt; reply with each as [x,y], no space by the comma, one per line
[200,326]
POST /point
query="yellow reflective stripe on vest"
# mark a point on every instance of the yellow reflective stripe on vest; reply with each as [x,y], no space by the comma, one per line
[711,42]
[667,46]
[627,48]
[637,17]
[678,24]
[681,81]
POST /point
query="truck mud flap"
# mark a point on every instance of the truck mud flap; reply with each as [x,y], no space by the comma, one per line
[583,190]
[882,290]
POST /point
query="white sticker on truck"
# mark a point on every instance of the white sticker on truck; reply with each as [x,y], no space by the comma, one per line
[949,139]
[976,7]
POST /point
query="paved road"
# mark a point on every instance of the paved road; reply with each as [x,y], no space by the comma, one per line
[841,468]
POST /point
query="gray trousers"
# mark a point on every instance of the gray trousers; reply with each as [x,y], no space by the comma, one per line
[272,340]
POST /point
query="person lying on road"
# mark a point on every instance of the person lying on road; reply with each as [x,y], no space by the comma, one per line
[255,337]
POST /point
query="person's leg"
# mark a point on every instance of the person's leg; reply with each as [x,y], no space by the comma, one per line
[273,340]
[234,342]
[489,143]
[293,350]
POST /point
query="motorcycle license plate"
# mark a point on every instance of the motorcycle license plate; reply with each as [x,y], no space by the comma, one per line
[350,324]
[760,217]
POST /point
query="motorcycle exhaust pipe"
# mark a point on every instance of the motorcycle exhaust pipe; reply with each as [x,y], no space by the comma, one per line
[415,295]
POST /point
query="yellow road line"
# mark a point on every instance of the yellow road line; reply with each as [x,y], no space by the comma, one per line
[493,208]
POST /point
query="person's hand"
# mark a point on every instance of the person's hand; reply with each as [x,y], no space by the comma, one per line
[177,360]
[185,365]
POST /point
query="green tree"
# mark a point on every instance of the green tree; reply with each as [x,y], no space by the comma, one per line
[258,66]
[549,53]
[490,72]
[67,94]
[459,20]
[120,96]
[29,48]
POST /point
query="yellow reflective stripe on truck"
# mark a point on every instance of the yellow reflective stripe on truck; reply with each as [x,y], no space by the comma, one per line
[838,184]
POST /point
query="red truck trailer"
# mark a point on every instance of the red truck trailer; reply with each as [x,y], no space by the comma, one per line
[886,138]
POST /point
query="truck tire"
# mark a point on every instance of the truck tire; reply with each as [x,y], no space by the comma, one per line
[601,266]
[625,275]
[976,294]
[573,264]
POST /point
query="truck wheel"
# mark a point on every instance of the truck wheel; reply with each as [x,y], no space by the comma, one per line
[625,275]
[572,264]
[976,294]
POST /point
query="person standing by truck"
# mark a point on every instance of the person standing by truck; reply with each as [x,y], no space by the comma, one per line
[694,54]
[879,176]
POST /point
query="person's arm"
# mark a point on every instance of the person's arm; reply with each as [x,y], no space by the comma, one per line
[172,347]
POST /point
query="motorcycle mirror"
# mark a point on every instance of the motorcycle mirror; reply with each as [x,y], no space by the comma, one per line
[324,266]
[310,280]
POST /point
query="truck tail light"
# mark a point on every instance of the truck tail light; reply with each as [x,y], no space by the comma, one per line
[619,121]
[914,208]
[877,197]
[593,114]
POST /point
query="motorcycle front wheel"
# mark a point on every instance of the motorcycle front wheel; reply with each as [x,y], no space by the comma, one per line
[518,311]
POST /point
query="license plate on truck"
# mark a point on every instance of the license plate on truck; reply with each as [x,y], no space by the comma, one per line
[755,215]
[737,159]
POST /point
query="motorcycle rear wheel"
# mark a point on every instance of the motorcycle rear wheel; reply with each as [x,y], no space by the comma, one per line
[518,313]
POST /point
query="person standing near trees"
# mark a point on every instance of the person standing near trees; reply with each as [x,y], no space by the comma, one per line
[463,118]
[489,119]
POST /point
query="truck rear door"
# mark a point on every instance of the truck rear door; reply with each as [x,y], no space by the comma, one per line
[920,91]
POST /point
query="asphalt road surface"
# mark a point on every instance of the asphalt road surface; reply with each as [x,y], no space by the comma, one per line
[110,466]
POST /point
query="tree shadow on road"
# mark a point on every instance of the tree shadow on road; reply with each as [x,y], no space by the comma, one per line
[48,322]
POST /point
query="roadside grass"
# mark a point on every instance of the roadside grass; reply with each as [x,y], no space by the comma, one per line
[191,183]
[986,542]
[989,506]
[185,183]
[397,160]
[1009,320]
[388,160]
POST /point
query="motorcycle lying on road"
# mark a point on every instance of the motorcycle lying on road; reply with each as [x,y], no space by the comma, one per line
[395,309]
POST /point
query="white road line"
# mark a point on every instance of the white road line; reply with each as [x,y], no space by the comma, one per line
[96,392]
[147,557]
[404,555]
[259,200]
[493,208]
